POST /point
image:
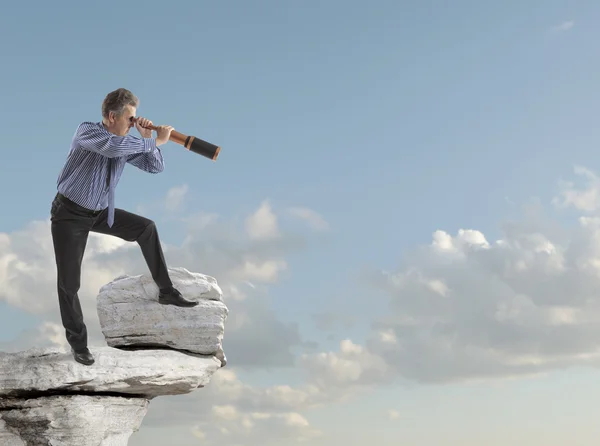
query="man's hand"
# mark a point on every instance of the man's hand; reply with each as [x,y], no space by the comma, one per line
[140,123]
[163,134]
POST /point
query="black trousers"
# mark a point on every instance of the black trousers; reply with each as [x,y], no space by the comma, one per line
[71,225]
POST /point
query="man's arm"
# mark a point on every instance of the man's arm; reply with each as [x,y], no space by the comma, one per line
[151,162]
[89,137]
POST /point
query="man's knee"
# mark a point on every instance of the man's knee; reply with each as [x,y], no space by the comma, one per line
[149,230]
[69,287]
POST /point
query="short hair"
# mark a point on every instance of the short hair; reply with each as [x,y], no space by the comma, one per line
[117,100]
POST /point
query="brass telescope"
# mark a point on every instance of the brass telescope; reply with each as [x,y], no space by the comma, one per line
[193,144]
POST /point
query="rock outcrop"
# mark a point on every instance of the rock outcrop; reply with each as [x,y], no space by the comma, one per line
[46,398]
[131,317]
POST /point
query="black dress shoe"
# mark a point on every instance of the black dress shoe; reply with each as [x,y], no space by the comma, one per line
[174,297]
[83,356]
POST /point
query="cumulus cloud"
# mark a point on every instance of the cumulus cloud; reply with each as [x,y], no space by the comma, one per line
[236,427]
[262,224]
[313,218]
[582,197]
[339,375]
[229,410]
[28,268]
[465,307]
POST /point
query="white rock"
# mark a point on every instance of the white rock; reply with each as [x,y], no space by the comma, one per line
[130,315]
[47,398]
[74,420]
[147,373]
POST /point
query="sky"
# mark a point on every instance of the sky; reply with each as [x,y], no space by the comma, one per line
[404,216]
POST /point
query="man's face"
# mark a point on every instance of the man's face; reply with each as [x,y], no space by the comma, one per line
[122,124]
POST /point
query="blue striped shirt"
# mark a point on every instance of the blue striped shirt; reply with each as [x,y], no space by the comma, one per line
[84,177]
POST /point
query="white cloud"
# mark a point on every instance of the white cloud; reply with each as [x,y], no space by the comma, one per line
[266,271]
[228,410]
[46,334]
[465,308]
[172,203]
[585,198]
[175,198]
[245,427]
[28,269]
[263,223]
[314,219]
[353,367]
[225,412]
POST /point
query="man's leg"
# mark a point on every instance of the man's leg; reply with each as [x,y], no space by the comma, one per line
[69,236]
[135,228]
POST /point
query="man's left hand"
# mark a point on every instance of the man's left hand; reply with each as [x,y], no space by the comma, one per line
[140,123]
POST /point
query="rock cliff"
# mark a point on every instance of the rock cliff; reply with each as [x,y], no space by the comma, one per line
[48,399]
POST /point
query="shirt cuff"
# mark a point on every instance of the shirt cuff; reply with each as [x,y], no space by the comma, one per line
[149,145]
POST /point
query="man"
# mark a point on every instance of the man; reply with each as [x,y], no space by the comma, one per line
[85,202]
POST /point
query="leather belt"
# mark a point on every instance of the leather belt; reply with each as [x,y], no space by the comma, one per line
[76,207]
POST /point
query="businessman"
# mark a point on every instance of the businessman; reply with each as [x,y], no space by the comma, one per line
[85,202]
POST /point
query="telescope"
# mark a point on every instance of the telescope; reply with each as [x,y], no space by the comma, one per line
[193,144]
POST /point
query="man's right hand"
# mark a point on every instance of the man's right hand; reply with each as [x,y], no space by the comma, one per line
[163,133]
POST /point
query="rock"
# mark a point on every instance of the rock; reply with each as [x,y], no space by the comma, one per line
[48,399]
[144,373]
[130,315]
[74,420]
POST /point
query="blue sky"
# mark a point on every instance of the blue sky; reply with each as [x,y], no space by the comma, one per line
[391,121]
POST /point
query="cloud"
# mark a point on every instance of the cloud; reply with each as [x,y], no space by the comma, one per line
[239,428]
[46,334]
[315,220]
[586,198]
[228,410]
[231,411]
[464,307]
[172,203]
[262,224]
[28,269]
[340,374]
[175,198]
[564,26]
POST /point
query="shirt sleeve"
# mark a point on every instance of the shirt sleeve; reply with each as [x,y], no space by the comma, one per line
[89,137]
[151,162]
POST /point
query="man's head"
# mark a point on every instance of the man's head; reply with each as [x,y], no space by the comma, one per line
[118,111]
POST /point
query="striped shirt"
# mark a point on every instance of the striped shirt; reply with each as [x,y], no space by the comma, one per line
[84,177]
